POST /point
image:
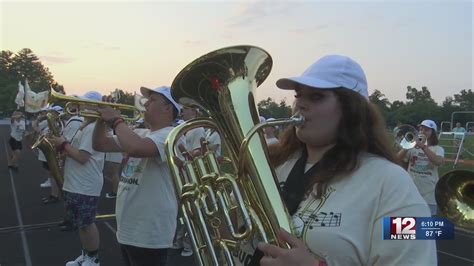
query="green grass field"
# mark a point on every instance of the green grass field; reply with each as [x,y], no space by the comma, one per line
[466,161]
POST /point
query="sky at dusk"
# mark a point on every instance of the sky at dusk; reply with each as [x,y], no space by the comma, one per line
[103,45]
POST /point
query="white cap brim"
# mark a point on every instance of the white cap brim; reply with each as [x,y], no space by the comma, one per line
[290,83]
[145,92]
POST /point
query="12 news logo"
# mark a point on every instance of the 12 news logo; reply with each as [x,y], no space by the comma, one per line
[402,228]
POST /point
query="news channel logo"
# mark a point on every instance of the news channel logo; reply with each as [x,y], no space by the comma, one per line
[417,228]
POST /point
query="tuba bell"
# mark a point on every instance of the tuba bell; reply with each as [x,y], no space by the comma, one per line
[454,194]
[245,202]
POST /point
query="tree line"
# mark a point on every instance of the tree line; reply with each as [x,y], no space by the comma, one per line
[419,104]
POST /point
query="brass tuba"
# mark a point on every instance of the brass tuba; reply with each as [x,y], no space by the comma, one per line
[455,197]
[54,159]
[223,84]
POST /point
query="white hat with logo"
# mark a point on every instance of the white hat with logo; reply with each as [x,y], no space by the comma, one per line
[330,72]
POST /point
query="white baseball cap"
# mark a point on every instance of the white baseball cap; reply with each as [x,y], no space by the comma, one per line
[56,108]
[429,123]
[330,72]
[163,90]
[92,95]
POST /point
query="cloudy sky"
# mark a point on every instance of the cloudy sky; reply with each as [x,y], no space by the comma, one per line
[104,45]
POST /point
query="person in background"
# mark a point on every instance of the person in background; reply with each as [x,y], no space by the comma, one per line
[459,132]
[270,133]
[17,131]
[40,127]
[192,145]
[146,205]
[56,111]
[423,161]
[340,176]
[112,167]
[83,182]
[72,126]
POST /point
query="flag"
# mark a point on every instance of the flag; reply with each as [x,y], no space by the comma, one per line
[140,102]
[20,96]
[34,102]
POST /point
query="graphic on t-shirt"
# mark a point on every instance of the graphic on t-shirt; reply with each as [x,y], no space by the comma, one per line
[133,166]
[309,215]
[420,165]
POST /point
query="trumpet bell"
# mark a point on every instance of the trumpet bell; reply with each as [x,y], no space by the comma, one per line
[455,197]
[407,135]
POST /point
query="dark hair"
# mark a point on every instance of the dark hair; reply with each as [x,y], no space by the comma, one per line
[361,128]
[433,139]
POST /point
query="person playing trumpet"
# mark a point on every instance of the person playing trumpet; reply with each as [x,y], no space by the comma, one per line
[146,205]
[83,182]
[423,161]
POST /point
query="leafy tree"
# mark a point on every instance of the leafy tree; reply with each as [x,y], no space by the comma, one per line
[269,108]
[465,99]
[19,67]
[415,96]
[383,104]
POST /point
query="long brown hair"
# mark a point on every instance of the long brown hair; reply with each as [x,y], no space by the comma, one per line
[433,139]
[361,128]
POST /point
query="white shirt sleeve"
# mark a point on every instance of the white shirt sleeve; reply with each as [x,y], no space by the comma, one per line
[398,200]
[86,140]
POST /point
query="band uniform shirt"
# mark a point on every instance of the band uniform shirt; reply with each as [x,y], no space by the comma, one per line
[214,140]
[17,129]
[193,138]
[146,204]
[344,227]
[84,179]
[423,172]
[43,127]
[72,126]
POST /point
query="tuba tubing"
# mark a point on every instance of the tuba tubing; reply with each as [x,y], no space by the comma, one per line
[222,84]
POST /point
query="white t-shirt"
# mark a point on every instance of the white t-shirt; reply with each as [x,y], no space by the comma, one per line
[43,127]
[345,227]
[146,205]
[85,179]
[193,138]
[271,140]
[424,172]
[215,140]
[72,126]
[17,129]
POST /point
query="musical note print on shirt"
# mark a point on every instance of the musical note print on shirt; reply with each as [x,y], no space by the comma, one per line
[310,216]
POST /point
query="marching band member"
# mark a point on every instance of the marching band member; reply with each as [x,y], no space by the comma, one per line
[40,126]
[340,176]
[146,206]
[423,161]
[17,130]
[192,139]
[73,124]
[83,182]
